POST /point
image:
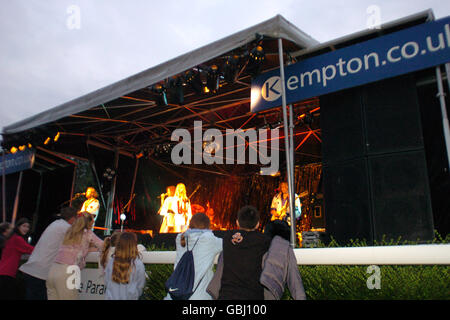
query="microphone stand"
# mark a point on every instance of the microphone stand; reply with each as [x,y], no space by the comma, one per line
[123,211]
[73,198]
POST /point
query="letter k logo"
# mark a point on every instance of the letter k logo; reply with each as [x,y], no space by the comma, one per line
[271,89]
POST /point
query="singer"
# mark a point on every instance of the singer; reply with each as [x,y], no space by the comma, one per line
[176,210]
[91,205]
[183,214]
[167,210]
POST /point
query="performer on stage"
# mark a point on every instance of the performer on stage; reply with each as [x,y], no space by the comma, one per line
[280,205]
[91,205]
[168,210]
[183,213]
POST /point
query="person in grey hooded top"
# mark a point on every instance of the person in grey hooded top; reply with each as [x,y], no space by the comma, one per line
[280,265]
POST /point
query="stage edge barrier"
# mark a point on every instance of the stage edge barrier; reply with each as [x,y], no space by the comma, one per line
[434,254]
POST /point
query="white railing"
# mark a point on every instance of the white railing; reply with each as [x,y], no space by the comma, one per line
[430,254]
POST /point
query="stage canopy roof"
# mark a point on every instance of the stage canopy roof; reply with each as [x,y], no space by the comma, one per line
[211,84]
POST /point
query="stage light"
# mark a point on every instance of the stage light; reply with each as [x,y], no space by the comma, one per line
[194,80]
[265,125]
[56,138]
[140,155]
[256,60]
[162,96]
[13,150]
[272,174]
[109,174]
[308,119]
[305,118]
[175,89]
[122,219]
[22,148]
[30,146]
[47,141]
[258,54]
[212,79]
[230,68]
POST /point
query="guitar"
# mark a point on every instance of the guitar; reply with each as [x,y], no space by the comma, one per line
[281,214]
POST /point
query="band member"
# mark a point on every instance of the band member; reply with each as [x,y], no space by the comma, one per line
[280,205]
[168,210]
[183,211]
[91,205]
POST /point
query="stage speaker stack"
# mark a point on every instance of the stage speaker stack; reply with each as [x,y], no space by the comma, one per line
[374,168]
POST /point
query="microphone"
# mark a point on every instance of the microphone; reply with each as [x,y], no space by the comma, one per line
[80,194]
[162,195]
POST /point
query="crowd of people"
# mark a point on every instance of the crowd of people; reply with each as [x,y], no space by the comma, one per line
[252,265]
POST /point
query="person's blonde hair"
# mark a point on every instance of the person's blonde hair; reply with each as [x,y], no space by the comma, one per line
[74,234]
[180,191]
[108,243]
[93,192]
[125,253]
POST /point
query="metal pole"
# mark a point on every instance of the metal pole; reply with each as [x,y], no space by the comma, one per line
[445,124]
[286,139]
[74,176]
[134,180]
[447,71]
[16,201]
[38,204]
[291,141]
[4,187]
[110,209]
[291,151]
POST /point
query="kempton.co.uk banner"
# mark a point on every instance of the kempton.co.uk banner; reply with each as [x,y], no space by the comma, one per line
[398,53]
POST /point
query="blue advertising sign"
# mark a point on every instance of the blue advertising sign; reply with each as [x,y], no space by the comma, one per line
[15,162]
[402,52]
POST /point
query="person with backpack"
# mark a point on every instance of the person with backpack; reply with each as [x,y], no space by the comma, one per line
[196,250]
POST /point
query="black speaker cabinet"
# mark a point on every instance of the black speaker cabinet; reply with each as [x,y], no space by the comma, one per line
[375,174]
[347,201]
[401,201]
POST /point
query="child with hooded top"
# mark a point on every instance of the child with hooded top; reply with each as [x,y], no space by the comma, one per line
[207,247]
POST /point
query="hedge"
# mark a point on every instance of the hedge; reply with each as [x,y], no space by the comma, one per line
[405,282]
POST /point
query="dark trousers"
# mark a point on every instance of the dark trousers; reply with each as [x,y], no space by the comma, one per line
[35,288]
[9,288]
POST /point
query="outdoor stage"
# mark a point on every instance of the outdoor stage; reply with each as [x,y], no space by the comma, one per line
[369,155]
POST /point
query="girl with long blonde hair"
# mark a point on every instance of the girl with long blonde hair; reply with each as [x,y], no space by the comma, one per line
[77,242]
[183,213]
[109,245]
[125,274]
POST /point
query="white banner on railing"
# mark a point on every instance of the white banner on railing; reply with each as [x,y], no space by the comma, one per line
[92,286]
[433,254]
